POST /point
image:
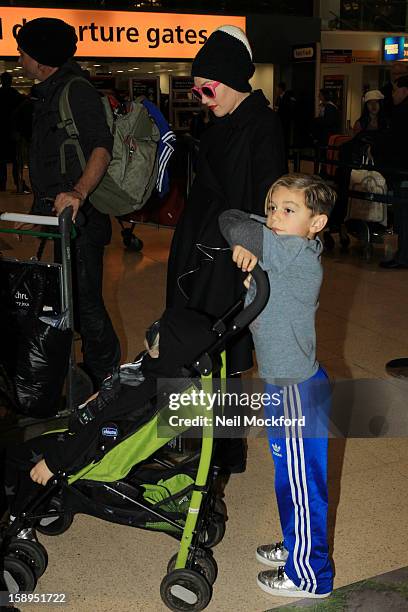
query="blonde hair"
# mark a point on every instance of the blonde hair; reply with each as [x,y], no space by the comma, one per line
[320,198]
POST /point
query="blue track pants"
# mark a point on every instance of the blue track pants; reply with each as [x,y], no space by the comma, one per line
[300,457]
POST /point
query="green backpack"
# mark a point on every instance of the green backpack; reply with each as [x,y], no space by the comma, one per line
[132,173]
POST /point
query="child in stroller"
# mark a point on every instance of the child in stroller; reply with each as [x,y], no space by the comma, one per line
[108,463]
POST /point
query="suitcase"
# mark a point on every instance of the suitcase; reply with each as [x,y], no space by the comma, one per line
[333,154]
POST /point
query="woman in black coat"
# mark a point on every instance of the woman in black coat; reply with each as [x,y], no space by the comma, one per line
[240,156]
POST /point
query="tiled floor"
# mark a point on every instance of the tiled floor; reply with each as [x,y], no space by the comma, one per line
[362,323]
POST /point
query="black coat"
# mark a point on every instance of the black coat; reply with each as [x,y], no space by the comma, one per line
[390,150]
[240,157]
[48,136]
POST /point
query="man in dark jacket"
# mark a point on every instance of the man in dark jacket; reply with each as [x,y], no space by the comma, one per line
[329,121]
[46,47]
[10,99]
[391,152]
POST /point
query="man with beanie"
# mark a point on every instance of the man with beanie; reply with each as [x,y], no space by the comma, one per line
[241,155]
[46,48]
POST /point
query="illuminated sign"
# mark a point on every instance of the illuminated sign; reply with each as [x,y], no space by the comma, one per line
[120,33]
[395,48]
[304,53]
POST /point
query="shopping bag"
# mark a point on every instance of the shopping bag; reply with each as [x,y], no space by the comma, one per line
[369,181]
[36,338]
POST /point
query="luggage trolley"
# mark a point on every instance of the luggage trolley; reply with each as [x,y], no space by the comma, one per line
[78,385]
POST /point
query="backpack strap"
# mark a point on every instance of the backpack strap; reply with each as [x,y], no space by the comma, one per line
[68,123]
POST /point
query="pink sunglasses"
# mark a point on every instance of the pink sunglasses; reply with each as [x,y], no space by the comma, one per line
[207,90]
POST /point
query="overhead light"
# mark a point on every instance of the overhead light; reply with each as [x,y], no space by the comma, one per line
[150,72]
[20,77]
[119,71]
[136,68]
[96,65]
[169,70]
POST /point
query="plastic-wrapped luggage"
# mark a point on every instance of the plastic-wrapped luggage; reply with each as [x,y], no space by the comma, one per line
[369,181]
[36,338]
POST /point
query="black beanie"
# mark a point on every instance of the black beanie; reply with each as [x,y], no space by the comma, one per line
[225,57]
[50,42]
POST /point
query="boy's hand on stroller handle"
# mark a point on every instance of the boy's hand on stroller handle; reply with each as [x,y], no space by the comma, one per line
[244,258]
[40,473]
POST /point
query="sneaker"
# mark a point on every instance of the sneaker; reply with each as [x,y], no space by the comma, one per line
[276,582]
[274,555]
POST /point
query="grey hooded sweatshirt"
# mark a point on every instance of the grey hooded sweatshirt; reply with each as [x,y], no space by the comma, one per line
[284,333]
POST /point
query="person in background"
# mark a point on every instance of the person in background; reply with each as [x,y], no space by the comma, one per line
[398,69]
[21,126]
[391,152]
[285,107]
[373,117]
[368,130]
[10,99]
[328,122]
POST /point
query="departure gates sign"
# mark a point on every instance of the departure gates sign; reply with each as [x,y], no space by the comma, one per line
[120,33]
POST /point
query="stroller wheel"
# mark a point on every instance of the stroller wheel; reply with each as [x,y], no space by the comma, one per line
[185,589]
[131,242]
[204,563]
[214,532]
[55,526]
[18,576]
[32,553]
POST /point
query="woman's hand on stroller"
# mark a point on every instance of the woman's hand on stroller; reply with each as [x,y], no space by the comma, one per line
[40,473]
[244,259]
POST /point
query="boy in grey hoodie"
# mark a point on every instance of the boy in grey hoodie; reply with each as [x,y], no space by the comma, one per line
[288,248]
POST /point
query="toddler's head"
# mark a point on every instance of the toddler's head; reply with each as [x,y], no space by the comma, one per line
[299,205]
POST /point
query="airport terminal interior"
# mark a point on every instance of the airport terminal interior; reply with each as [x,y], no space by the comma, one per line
[362,321]
[362,324]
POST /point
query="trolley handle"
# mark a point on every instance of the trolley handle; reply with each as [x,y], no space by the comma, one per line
[63,222]
[34,219]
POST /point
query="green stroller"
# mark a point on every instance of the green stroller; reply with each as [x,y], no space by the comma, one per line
[129,477]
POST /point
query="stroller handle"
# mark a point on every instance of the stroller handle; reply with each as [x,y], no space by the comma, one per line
[204,363]
[246,316]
